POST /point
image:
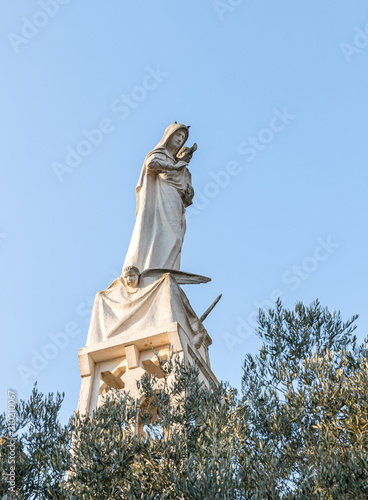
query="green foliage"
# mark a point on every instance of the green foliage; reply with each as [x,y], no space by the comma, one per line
[304,401]
[42,448]
[185,453]
[299,430]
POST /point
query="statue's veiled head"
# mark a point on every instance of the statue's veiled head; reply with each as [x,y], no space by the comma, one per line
[175,141]
[174,138]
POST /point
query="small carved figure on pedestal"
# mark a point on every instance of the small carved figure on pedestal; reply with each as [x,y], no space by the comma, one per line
[130,276]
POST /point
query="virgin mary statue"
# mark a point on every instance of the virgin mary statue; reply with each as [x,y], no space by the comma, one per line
[163,192]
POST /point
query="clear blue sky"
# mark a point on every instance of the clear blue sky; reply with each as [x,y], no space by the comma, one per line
[276,96]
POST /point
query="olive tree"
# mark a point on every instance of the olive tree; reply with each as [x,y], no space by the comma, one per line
[297,430]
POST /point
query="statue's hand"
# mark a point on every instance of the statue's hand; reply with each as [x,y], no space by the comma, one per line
[181,164]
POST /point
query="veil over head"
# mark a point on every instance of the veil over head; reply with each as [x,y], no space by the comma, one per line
[171,129]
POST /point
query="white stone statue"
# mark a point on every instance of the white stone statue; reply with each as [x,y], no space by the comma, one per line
[163,192]
[146,308]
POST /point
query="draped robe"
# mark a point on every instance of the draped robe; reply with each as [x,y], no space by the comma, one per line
[162,196]
[157,302]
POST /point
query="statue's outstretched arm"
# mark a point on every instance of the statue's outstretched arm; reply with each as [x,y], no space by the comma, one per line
[157,166]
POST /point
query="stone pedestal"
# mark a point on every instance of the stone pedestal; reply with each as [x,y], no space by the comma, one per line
[119,360]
